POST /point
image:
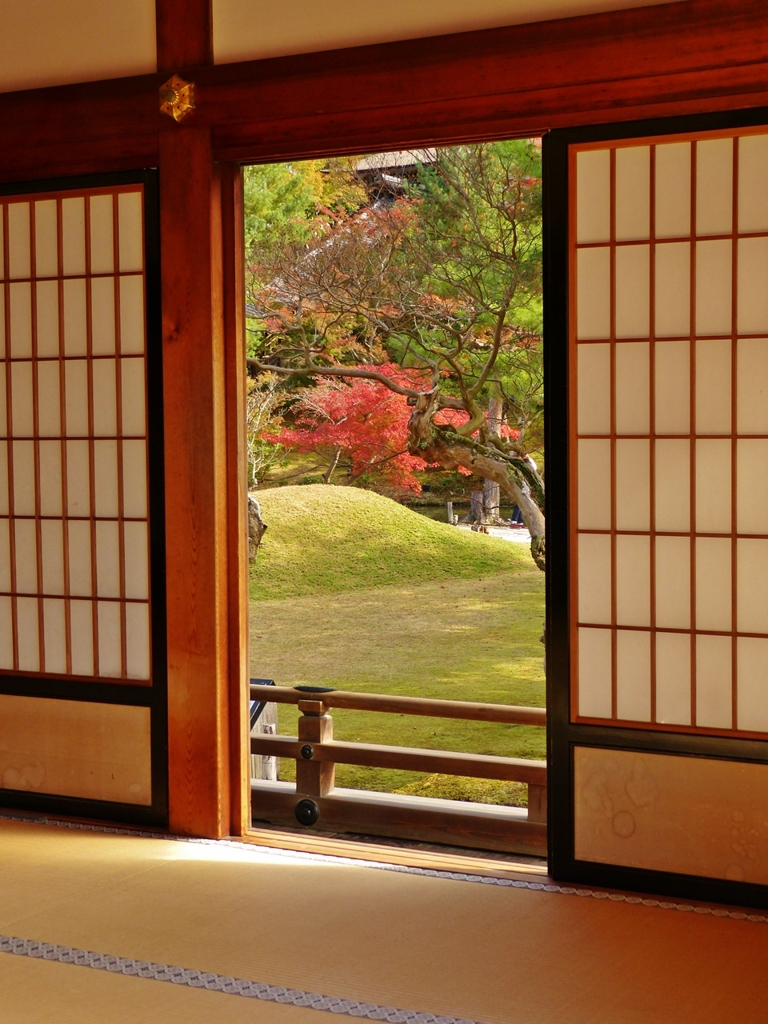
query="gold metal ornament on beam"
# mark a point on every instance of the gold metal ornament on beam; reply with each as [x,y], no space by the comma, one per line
[177,97]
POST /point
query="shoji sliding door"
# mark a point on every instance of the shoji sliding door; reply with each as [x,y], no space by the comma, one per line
[658,296]
[82,676]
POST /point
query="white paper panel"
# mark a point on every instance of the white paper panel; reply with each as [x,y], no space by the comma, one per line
[713,287]
[633,485]
[76,391]
[102,235]
[21,320]
[133,397]
[23,478]
[19,250]
[593,195]
[5,556]
[633,291]
[593,293]
[135,479]
[78,479]
[103,315]
[673,190]
[22,404]
[714,187]
[48,341]
[752,386]
[595,673]
[46,238]
[4,502]
[131,231]
[752,486]
[633,192]
[673,583]
[6,633]
[48,400]
[3,402]
[80,581]
[594,578]
[137,561]
[593,389]
[672,387]
[131,315]
[81,637]
[673,678]
[110,642]
[52,548]
[28,627]
[633,400]
[594,483]
[73,236]
[137,640]
[714,387]
[713,583]
[2,311]
[752,586]
[753,183]
[713,486]
[673,289]
[673,485]
[633,675]
[2,252]
[107,559]
[104,398]
[714,700]
[50,478]
[105,479]
[75,317]
[633,580]
[752,284]
[55,636]
[752,662]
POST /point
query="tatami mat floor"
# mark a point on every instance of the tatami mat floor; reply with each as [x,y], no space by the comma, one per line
[405,941]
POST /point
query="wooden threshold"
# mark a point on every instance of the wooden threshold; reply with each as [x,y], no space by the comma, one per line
[404,856]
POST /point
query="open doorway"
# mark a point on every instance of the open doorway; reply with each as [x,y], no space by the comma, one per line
[395,453]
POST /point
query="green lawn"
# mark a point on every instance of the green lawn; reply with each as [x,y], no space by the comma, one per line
[382,600]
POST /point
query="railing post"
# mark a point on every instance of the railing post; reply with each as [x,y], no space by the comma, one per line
[537,803]
[314,778]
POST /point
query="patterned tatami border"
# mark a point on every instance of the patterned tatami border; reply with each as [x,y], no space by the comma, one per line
[456,876]
[218,983]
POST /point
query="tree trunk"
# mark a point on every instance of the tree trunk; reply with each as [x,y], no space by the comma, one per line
[332,467]
[256,527]
[515,473]
[477,508]
[491,490]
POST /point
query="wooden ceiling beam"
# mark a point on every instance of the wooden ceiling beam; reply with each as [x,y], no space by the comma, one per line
[654,61]
[184,34]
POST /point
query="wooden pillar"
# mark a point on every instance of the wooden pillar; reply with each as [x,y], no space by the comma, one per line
[195,418]
[237,522]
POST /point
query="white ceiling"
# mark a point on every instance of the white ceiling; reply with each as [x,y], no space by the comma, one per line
[251,29]
[55,42]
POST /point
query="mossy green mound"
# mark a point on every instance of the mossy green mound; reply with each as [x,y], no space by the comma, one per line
[326,539]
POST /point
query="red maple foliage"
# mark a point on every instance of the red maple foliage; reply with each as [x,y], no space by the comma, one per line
[362,419]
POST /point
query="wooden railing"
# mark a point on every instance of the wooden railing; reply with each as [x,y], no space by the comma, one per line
[316,801]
